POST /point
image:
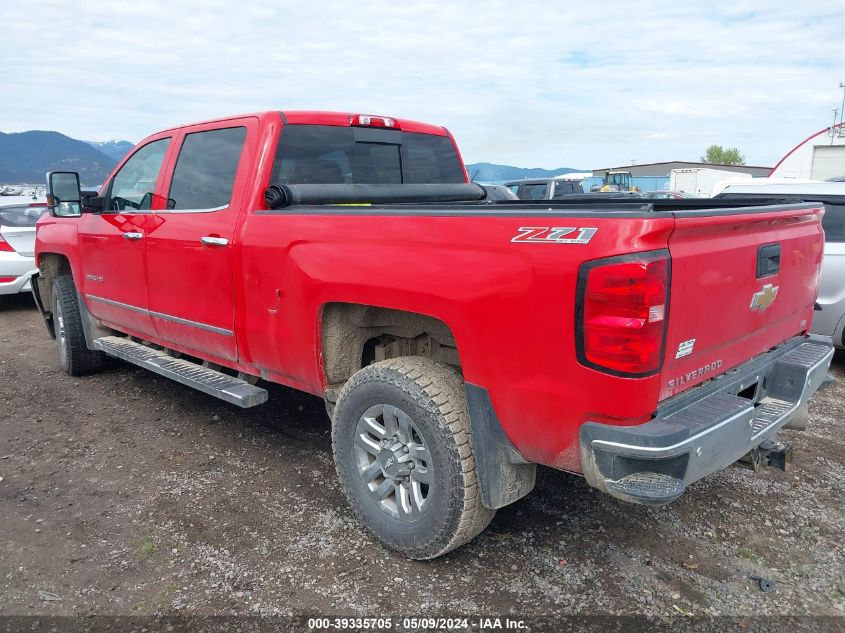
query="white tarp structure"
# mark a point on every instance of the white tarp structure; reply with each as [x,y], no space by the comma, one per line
[818,157]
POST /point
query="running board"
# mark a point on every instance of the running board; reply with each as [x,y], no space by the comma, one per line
[209,381]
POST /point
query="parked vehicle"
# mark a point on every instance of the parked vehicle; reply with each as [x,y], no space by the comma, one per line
[616,181]
[829,318]
[665,194]
[762,185]
[699,181]
[543,188]
[499,193]
[457,344]
[17,246]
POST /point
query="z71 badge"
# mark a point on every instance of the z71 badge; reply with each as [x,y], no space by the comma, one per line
[555,234]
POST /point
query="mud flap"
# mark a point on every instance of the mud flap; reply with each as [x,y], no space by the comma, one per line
[45,314]
[503,474]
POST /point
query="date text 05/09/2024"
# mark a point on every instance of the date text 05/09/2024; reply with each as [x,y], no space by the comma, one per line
[416,624]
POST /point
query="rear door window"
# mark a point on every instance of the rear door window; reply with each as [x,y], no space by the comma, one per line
[325,154]
[24,216]
[205,170]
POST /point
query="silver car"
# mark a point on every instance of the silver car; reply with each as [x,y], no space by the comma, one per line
[830,319]
[17,245]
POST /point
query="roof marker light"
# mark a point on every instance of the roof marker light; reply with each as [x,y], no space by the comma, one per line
[369,120]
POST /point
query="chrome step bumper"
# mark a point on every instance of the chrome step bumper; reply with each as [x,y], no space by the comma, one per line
[209,381]
[705,430]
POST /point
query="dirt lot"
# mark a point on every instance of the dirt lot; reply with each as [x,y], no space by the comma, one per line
[125,493]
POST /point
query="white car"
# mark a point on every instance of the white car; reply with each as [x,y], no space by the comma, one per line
[17,244]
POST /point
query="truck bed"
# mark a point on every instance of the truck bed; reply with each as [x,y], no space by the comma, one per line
[429,199]
[507,290]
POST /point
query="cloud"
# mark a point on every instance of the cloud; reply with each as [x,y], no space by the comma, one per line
[530,83]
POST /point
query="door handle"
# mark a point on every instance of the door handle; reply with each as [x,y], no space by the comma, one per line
[209,240]
[133,236]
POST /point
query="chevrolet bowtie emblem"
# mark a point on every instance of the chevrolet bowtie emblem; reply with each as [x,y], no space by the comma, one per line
[765,297]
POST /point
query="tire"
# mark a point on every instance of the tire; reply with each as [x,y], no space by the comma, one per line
[401,429]
[75,357]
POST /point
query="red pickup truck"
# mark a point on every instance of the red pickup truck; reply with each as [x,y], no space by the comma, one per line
[457,342]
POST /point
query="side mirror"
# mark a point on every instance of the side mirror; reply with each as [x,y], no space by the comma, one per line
[91,202]
[63,194]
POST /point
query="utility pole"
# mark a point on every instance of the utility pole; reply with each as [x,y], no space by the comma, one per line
[842,109]
[833,127]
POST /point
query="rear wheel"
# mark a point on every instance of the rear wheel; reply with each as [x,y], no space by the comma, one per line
[75,357]
[403,454]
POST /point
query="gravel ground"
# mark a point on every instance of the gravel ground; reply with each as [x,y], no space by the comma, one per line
[125,493]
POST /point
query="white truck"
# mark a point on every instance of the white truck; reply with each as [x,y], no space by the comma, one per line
[699,181]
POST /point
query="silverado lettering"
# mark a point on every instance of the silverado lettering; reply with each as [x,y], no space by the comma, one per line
[698,373]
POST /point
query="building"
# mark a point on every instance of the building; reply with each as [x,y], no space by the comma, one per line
[818,157]
[655,176]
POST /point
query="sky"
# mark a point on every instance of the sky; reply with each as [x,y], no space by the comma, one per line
[531,84]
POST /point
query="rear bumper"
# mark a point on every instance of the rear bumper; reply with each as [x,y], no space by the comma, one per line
[706,429]
[20,283]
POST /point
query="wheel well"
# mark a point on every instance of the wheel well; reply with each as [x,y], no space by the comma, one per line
[50,266]
[355,335]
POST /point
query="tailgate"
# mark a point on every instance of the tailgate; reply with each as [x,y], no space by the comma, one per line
[742,282]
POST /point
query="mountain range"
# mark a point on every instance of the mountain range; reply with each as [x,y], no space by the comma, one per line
[113,149]
[25,157]
[490,172]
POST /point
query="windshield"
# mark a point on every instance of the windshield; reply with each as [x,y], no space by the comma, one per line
[324,154]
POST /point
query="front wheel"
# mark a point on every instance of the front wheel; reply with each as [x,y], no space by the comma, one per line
[75,357]
[402,449]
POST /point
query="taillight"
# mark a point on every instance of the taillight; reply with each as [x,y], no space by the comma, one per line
[623,305]
[5,246]
[7,280]
[368,120]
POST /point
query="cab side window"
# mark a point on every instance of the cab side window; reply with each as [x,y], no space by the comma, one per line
[134,185]
[205,170]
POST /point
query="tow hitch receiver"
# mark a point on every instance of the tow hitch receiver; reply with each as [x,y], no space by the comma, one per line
[769,453]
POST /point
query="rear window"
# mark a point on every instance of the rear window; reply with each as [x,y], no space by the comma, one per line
[21,216]
[324,154]
[833,223]
[533,192]
[564,188]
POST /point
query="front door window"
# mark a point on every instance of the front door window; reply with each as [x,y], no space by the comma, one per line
[134,185]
